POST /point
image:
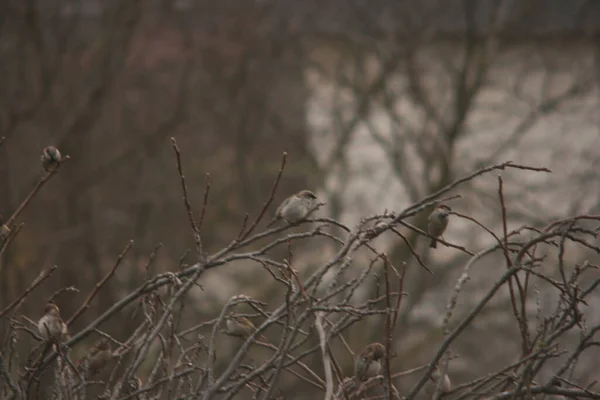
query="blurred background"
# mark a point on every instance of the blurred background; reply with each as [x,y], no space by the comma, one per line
[377,102]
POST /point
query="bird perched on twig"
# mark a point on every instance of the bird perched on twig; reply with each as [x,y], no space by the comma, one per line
[97,358]
[132,385]
[368,362]
[239,326]
[295,208]
[4,231]
[435,377]
[51,325]
[51,158]
[437,223]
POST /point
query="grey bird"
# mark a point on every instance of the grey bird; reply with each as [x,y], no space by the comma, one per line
[437,223]
[435,377]
[4,231]
[131,386]
[51,325]
[51,158]
[295,208]
[97,357]
[239,326]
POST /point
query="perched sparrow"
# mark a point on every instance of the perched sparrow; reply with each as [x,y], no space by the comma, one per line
[295,208]
[239,326]
[4,231]
[131,386]
[435,377]
[97,358]
[51,325]
[438,221]
[51,158]
[368,363]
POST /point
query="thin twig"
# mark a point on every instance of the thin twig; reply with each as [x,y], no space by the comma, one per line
[388,326]
[33,192]
[188,205]
[324,355]
[41,278]
[86,303]
[204,201]
[269,199]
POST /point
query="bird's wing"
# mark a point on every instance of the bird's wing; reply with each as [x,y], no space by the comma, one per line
[283,205]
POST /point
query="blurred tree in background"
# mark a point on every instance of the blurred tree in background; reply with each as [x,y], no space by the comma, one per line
[378,103]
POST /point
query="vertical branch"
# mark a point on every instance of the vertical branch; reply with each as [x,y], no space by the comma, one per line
[520,317]
[205,201]
[188,205]
[41,278]
[269,199]
[388,326]
[33,192]
[99,285]
[325,355]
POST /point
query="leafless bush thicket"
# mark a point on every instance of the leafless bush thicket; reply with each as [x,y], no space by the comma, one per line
[314,316]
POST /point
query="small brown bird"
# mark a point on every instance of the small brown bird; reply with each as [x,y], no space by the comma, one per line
[4,231]
[239,326]
[51,158]
[368,363]
[295,208]
[435,377]
[132,385]
[97,358]
[51,325]
[437,223]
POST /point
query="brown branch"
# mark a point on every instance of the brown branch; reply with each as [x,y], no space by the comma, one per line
[99,285]
[521,318]
[269,199]
[388,326]
[412,250]
[440,240]
[41,278]
[504,224]
[8,240]
[33,192]
[205,201]
[399,299]
[238,238]
[188,205]
[67,289]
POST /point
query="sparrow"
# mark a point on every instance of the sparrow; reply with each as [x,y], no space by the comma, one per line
[4,231]
[239,326]
[97,358]
[51,325]
[295,208]
[368,363]
[131,386]
[51,158]
[437,223]
[435,377]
